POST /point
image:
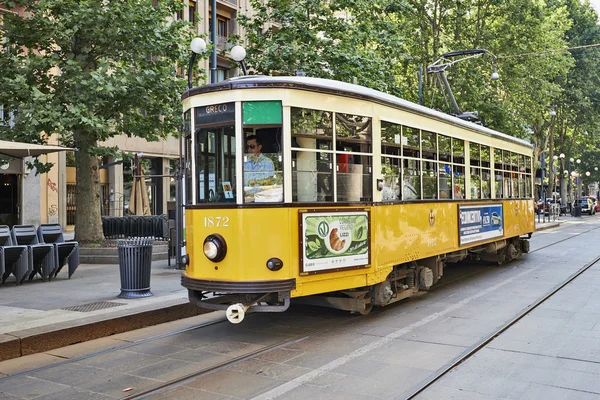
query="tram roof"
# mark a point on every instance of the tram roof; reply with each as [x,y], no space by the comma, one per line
[343,89]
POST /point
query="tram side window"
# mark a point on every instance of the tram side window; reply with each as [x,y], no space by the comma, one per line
[507,186]
[312,155]
[459,182]
[475,155]
[411,187]
[354,159]
[429,179]
[527,176]
[514,175]
[486,178]
[411,142]
[498,173]
[391,164]
[430,169]
[263,166]
[458,151]
[522,180]
[445,167]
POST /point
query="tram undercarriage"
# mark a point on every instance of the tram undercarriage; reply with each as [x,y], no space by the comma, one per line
[405,280]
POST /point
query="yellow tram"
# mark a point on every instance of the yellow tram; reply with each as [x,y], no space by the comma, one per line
[343,196]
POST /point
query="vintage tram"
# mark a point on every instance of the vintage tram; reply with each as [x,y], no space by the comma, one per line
[339,195]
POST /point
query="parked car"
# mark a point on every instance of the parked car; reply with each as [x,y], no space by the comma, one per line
[587,206]
[595,202]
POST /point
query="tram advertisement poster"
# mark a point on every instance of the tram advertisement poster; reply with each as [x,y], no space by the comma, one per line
[478,223]
[334,240]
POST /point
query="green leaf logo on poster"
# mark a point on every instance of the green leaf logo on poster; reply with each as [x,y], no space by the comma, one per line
[323,229]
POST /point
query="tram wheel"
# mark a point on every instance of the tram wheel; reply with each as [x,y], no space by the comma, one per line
[366,311]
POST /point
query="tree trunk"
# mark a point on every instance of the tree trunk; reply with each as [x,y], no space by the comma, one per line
[88,223]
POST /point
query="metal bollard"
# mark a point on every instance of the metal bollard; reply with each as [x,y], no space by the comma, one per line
[135,262]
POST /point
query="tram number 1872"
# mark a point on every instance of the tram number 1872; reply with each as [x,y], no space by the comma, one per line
[216,222]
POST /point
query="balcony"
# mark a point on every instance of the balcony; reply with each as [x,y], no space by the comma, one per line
[230,3]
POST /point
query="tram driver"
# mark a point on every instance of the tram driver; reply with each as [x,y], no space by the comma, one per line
[257,166]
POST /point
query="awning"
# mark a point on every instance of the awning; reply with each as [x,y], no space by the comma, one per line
[20,150]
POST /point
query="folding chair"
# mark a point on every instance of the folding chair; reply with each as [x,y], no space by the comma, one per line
[41,256]
[65,252]
[13,259]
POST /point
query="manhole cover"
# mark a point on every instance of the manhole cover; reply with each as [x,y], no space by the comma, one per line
[93,306]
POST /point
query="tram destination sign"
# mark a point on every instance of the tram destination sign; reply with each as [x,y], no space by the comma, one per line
[215,113]
[334,240]
[480,222]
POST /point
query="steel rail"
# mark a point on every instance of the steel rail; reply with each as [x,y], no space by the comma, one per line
[114,349]
[213,368]
[481,344]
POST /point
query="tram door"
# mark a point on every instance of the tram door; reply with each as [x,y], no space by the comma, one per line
[9,199]
[216,164]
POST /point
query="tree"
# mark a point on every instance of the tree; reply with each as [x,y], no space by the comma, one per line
[348,40]
[86,71]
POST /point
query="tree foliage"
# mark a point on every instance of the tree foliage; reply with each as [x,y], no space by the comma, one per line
[89,70]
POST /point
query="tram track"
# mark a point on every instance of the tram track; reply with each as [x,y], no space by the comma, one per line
[219,366]
[488,339]
[273,346]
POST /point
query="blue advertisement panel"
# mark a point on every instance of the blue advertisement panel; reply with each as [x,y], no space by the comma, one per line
[478,223]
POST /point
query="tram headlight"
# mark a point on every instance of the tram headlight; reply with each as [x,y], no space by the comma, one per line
[215,247]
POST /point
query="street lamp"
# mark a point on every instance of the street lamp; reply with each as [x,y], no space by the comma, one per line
[238,53]
[198,46]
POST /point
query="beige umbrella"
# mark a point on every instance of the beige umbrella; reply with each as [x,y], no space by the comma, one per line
[139,204]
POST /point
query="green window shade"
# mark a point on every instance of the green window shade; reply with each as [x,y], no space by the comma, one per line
[261,112]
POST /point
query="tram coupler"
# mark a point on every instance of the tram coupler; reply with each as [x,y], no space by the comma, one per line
[237,306]
[235,313]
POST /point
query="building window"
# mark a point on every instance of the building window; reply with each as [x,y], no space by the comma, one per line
[192,12]
[222,27]
[221,74]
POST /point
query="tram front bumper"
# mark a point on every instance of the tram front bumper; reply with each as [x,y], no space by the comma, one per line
[249,293]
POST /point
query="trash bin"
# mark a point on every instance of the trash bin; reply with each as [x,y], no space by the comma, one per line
[135,261]
[577,211]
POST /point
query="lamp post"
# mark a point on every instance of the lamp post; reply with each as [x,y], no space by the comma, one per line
[577,176]
[563,189]
[553,184]
[596,183]
[197,46]
[571,160]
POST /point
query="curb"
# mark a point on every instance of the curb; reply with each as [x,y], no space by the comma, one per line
[45,338]
[548,226]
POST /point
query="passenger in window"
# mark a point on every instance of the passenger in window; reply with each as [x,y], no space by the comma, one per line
[258,168]
[457,192]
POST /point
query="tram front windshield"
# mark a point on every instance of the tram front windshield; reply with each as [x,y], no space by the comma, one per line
[217,149]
